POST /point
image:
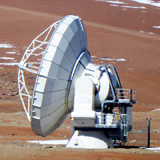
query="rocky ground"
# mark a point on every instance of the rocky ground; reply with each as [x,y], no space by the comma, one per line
[113,32]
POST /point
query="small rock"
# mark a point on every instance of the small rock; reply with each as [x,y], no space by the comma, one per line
[47,146]
[133,141]
[6,83]
[1,120]
[12,93]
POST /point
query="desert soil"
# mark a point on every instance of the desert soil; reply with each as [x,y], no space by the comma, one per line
[112,32]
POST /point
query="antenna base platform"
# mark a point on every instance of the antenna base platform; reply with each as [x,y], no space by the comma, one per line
[90,140]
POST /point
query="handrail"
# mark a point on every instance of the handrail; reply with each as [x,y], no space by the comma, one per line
[128,95]
[105,120]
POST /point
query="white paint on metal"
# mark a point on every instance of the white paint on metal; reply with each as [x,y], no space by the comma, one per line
[52,94]
[89,140]
[36,47]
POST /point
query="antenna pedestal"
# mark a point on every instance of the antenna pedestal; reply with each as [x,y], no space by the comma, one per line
[89,140]
[84,117]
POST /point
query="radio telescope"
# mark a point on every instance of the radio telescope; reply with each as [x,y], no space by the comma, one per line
[68,82]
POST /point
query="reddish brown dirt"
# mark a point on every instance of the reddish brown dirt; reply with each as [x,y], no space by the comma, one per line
[112,32]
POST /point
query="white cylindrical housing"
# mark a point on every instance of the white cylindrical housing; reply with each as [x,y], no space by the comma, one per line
[102,83]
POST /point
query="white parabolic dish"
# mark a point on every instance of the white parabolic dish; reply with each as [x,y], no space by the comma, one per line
[65,58]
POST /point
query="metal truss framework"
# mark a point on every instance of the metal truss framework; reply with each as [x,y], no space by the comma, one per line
[29,64]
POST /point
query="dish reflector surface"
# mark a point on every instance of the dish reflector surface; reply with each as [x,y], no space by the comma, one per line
[64,60]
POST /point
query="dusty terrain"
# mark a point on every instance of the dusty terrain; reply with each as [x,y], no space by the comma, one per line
[112,32]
